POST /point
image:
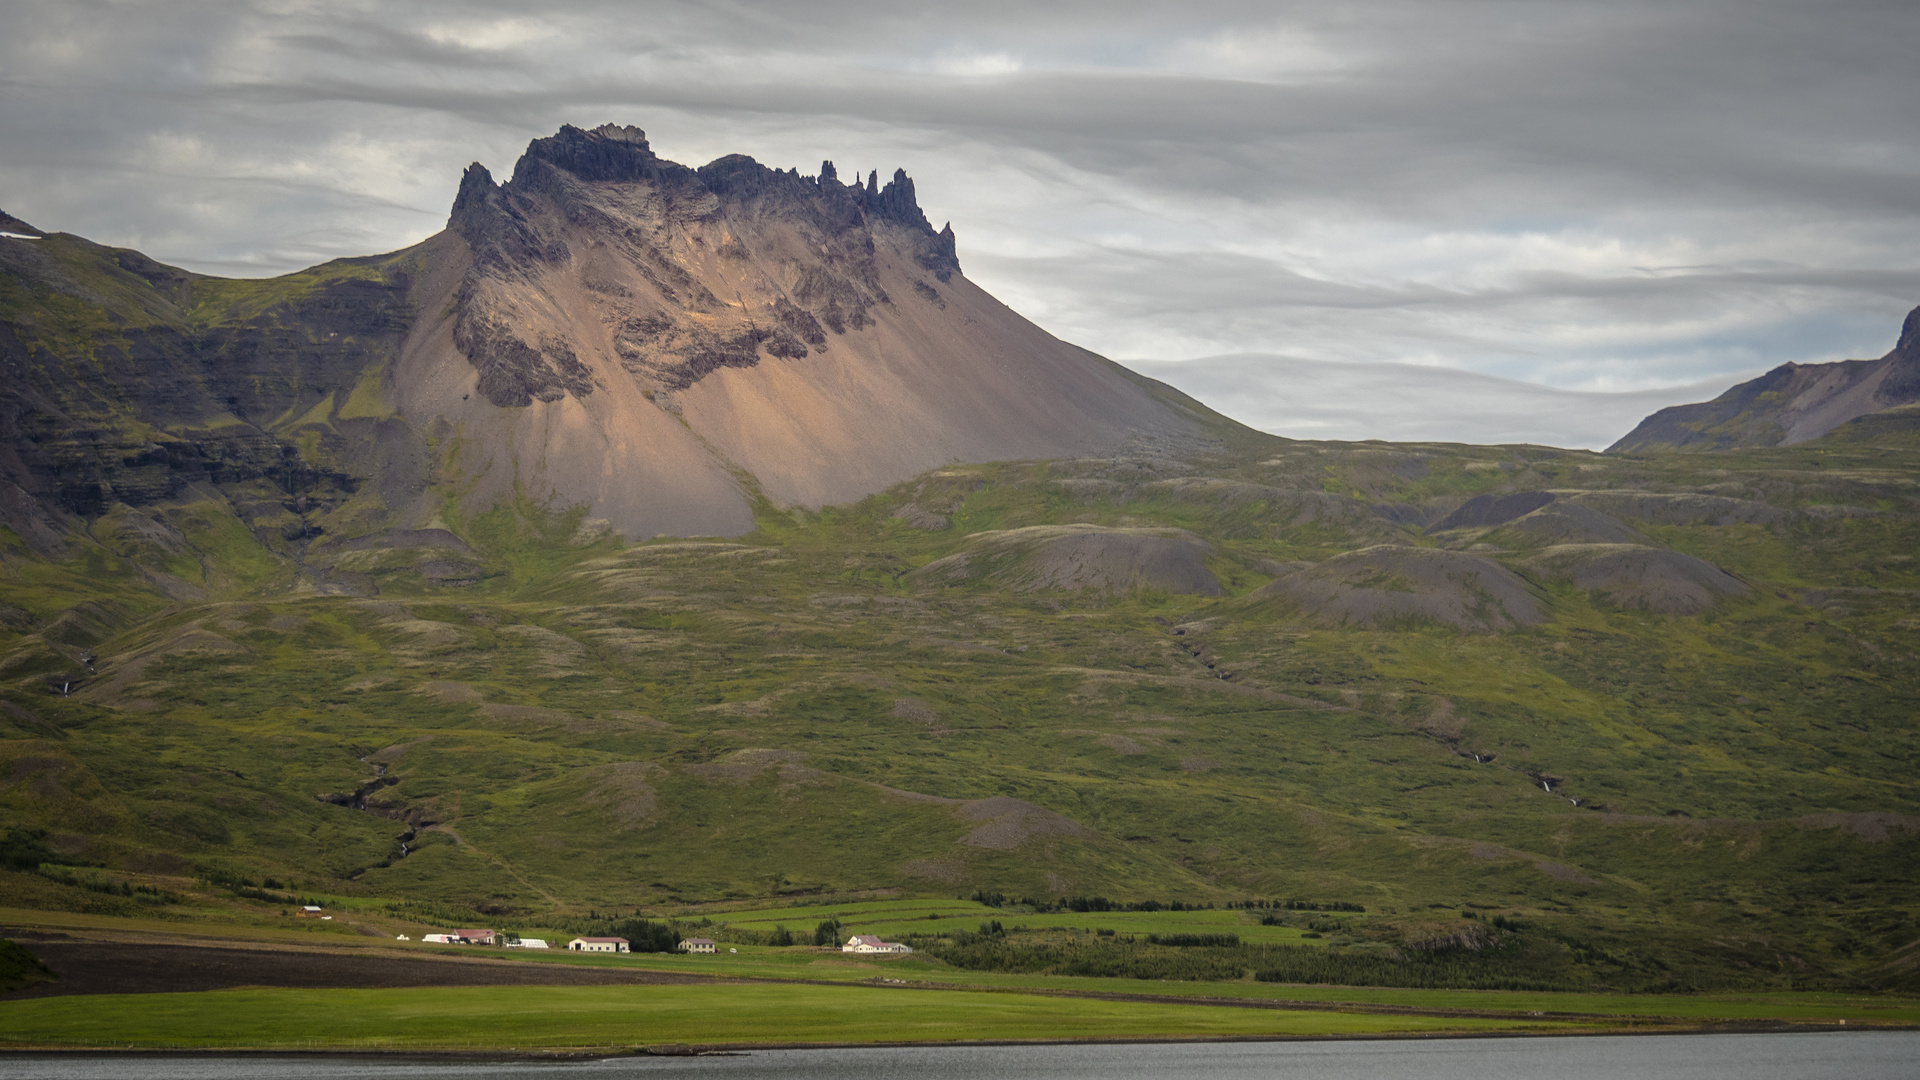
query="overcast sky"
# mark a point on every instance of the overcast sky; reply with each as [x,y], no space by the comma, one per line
[1611,196]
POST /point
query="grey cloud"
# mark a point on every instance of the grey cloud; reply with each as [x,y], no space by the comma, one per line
[1310,399]
[1623,194]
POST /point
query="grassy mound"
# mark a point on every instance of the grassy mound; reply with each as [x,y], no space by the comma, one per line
[1389,585]
[1637,576]
[1075,557]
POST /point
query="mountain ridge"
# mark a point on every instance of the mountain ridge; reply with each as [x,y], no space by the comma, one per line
[658,344]
[1791,404]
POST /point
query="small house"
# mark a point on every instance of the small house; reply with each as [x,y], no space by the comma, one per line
[598,944]
[478,937]
[310,911]
[697,945]
[868,944]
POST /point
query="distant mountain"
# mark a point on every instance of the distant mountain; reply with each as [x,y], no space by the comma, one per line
[1321,399]
[607,330]
[1793,403]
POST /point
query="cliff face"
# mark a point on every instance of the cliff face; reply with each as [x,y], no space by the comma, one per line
[132,384]
[1791,404]
[607,329]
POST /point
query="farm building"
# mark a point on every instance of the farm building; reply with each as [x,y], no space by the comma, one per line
[310,911]
[479,937]
[598,944]
[527,943]
[867,943]
[697,944]
[442,939]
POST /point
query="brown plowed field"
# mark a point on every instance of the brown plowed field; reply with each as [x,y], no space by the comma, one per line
[137,967]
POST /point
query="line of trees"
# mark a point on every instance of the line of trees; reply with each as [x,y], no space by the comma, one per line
[1101,903]
[1195,941]
[643,935]
[1513,965]
[1514,969]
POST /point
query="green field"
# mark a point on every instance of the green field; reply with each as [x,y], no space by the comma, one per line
[894,920]
[807,995]
[514,1018]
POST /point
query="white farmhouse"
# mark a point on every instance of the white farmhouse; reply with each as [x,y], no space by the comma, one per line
[598,944]
[867,943]
[697,945]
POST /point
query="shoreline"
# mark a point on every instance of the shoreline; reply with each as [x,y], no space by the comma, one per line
[733,1048]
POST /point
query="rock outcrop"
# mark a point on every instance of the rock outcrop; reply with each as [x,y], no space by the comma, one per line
[9,223]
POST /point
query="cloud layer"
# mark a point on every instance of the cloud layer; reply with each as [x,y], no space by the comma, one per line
[1320,399]
[1612,196]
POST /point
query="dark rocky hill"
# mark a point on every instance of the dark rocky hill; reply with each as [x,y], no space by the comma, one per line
[1791,404]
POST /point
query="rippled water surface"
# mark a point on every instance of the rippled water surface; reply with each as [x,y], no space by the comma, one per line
[1837,1056]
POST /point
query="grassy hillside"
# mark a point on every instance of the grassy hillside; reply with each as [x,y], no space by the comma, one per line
[593,725]
[1656,709]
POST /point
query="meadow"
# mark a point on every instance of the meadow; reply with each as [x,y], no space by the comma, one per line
[900,919]
[589,730]
[763,994]
[605,1018]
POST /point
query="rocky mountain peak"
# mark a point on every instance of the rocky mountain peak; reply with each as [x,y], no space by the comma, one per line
[1790,404]
[692,269]
[622,133]
[477,204]
[659,345]
[608,152]
[1901,384]
[897,201]
[1909,343]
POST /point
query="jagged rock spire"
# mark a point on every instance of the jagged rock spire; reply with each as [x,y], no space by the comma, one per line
[898,203]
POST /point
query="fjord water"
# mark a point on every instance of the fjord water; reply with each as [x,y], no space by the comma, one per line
[1817,1056]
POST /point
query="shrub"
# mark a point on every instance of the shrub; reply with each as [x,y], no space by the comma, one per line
[24,849]
[1193,941]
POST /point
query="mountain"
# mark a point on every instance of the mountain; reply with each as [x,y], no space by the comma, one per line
[610,330]
[1791,404]
[346,584]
